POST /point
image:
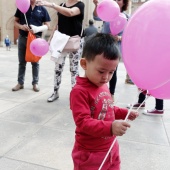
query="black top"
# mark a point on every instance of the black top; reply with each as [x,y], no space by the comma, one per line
[71,25]
[36,17]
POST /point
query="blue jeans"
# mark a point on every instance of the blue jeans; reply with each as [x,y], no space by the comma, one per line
[22,42]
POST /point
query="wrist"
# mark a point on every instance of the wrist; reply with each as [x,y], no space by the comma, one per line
[52,5]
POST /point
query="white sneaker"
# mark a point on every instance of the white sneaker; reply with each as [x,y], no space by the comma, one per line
[53,97]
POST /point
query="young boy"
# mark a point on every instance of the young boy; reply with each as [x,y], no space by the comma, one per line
[92,107]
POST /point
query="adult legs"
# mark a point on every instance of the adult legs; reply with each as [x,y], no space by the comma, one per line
[59,65]
[58,73]
[35,73]
[141,97]
[74,63]
[159,104]
[112,82]
[22,63]
[21,57]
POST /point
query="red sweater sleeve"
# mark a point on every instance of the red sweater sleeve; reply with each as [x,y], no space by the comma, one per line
[79,104]
[120,113]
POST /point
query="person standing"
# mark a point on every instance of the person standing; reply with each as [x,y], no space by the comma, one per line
[157,111]
[7,43]
[38,21]
[97,120]
[91,29]
[123,4]
[70,22]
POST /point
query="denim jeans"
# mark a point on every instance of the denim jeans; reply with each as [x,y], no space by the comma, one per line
[22,41]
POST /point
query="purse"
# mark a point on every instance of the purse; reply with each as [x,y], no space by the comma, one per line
[29,56]
[73,44]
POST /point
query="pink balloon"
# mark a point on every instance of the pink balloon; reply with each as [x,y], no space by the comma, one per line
[107,10]
[23,5]
[162,92]
[39,47]
[118,24]
[146,46]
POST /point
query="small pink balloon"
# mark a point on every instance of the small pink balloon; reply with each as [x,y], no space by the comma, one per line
[107,10]
[39,47]
[23,5]
[162,92]
[118,24]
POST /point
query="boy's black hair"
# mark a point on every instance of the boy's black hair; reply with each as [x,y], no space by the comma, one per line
[101,44]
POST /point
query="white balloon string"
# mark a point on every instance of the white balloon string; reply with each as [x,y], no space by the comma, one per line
[107,154]
[142,103]
[131,106]
[140,91]
[25,19]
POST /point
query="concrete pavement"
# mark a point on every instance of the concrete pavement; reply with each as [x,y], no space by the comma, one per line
[36,135]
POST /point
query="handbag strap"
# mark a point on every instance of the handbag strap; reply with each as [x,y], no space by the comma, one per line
[82,24]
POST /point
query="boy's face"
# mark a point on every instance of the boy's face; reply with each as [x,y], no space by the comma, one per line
[100,70]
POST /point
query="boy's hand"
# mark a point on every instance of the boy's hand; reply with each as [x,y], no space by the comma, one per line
[133,115]
[119,127]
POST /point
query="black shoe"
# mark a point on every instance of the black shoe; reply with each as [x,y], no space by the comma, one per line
[17,87]
[36,88]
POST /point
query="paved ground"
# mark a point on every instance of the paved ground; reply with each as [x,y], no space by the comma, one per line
[36,135]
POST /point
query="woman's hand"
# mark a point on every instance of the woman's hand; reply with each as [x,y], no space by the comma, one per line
[43,3]
[117,38]
[95,2]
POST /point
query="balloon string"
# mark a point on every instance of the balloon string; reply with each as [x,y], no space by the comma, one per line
[25,19]
[142,103]
[140,91]
[107,154]
[147,96]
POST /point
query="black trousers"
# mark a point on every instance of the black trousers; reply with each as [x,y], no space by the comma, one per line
[158,104]
[112,82]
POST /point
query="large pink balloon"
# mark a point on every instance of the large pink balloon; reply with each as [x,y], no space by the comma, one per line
[39,47]
[146,45]
[118,24]
[23,5]
[162,92]
[107,10]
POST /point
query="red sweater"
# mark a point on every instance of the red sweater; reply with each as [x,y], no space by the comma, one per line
[93,113]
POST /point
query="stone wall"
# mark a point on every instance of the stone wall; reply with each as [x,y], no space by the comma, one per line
[8,8]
